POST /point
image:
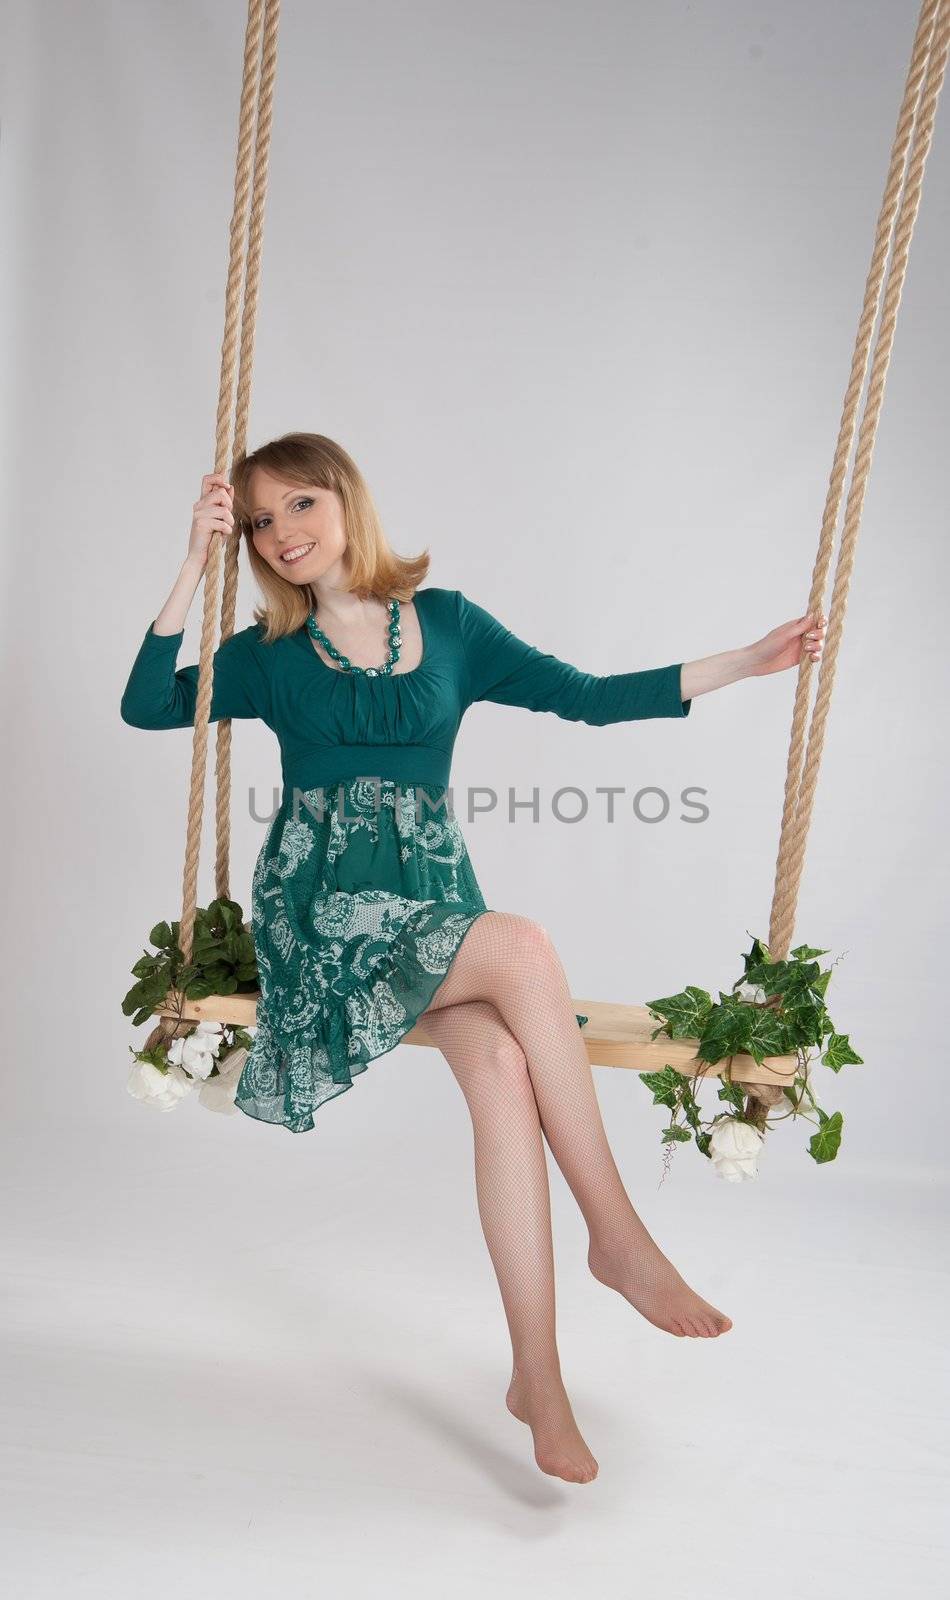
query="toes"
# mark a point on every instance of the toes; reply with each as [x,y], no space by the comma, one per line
[705,1324]
[558,1467]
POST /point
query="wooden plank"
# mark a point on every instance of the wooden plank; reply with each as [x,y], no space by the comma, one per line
[238,1008]
[619,1036]
[615,1035]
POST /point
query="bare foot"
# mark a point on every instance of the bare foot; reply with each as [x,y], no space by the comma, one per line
[644,1276]
[541,1401]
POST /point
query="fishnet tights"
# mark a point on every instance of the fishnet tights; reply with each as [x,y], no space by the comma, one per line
[504,1019]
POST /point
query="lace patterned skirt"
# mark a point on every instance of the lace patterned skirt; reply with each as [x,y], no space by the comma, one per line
[362,893]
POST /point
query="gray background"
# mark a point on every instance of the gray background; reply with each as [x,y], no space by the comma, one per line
[577,285]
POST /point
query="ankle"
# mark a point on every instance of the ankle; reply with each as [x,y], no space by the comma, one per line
[542,1368]
[604,1247]
[620,1241]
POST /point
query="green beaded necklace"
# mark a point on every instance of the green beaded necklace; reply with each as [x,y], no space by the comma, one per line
[344,662]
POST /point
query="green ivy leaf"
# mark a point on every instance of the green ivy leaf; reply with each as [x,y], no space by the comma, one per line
[733,1093]
[785,978]
[666,1086]
[767,1035]
[804,1024]
[824,1144]
[839,1053]
[727,1031]
[685,1013]
[757,956]
[676,1134]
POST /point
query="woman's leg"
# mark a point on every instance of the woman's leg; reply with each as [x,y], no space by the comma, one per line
[514,1205]
[510,961]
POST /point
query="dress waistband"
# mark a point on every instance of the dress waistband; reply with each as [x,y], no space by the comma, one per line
[404,763]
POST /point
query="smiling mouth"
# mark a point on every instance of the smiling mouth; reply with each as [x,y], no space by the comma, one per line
[297,554]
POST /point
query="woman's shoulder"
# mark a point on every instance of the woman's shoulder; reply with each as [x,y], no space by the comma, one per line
[247,649]
[469,618]
[253,639]
[244,639]
[432,595]
[451,601]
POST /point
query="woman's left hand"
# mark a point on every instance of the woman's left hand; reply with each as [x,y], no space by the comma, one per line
[785,645]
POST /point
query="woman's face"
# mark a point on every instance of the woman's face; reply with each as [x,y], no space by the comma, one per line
[299,532]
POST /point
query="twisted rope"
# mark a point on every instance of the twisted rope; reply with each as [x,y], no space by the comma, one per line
[244,267]
[918,110]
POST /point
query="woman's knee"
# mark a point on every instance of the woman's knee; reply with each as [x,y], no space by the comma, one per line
[500,949]
[517,936]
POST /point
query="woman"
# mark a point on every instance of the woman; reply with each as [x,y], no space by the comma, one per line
[366,911]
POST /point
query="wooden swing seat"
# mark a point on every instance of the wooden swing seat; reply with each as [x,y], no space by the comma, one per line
[615,1036]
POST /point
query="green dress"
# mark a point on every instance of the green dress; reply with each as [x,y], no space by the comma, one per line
[363,888]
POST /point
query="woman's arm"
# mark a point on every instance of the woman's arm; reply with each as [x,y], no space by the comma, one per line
[505,669]
[159,696]
[174,613]
[211,515]
[775,652]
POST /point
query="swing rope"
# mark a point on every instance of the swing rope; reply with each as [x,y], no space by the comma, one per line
[244,267]
[927,67]
[895,226]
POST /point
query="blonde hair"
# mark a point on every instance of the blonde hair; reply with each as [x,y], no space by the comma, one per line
[373,568]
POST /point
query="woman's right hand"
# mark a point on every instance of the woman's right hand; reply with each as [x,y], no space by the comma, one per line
[212,515]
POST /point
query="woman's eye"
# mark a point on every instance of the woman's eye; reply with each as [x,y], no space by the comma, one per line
[304,502]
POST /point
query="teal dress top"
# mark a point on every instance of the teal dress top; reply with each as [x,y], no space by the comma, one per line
[363,888]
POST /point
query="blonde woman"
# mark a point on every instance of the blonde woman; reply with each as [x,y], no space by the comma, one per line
[365,908]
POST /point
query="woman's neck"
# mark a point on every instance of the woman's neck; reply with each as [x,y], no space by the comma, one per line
[346,608]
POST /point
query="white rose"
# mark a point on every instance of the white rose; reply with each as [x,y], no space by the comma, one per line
[162,1090]
[734,1148]
[217,1093]
[196,1051]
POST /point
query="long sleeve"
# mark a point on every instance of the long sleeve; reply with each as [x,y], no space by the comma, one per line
[159,696]
[503,668]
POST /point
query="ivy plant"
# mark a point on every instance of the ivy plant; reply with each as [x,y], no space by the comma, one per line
[776,1008]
